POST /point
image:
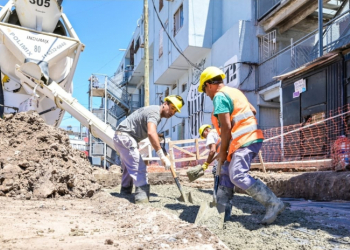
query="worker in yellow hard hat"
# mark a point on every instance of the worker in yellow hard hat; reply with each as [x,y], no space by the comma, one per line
[241,141]
[140,125]
[212,142]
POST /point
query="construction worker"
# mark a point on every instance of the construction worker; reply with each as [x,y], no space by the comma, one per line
[241,141]
[139,125]
[212,142]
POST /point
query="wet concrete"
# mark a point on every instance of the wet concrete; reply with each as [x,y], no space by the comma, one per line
[303,225]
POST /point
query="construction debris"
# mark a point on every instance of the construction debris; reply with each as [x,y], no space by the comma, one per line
[36,160]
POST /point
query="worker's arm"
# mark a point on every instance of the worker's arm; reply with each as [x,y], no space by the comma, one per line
[226,127]
[211,155]
[154,140]
[153,135]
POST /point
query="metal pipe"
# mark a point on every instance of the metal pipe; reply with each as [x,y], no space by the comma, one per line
[146,51]
[105,113]
[320,27]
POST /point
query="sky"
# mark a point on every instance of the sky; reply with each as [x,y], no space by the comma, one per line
[104,26]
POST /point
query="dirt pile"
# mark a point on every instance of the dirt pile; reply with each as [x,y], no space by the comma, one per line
[36,160]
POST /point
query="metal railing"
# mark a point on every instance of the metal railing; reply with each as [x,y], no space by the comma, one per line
[335,35]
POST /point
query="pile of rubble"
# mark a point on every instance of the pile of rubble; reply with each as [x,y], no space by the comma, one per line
[36,160]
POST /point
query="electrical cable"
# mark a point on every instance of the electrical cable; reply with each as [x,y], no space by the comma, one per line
[109,61]
[176,47]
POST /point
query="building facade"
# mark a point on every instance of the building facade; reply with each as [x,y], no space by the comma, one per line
[253,41]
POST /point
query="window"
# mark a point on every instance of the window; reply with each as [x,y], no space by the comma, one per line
[160,5]
[174,86]
[137,45]
[166,92]
[184,87]
[178,20]
[174,128]
[166,132]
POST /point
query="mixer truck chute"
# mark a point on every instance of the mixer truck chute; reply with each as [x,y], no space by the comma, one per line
[38,60]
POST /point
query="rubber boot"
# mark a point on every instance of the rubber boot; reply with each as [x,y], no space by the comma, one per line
[142,194]
[225,197]
[126,190]
[261,193]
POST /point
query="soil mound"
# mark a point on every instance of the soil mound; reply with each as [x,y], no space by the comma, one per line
[36,160]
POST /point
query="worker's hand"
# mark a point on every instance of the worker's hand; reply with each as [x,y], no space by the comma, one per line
[164,159]
[205,166]
[222,157]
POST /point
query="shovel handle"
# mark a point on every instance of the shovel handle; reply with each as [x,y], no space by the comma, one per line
[218,168]
[173,171]
[217,180]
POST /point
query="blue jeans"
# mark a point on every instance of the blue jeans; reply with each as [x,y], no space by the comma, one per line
[235,172]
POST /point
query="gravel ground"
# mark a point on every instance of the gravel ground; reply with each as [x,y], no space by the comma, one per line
[303,225]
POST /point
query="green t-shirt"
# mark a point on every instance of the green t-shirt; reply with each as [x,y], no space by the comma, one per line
[223,104]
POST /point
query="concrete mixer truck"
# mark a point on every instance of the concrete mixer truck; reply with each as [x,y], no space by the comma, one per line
[39,51]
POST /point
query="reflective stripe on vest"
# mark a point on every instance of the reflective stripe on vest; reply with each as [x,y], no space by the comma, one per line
[244,131]
[243,116]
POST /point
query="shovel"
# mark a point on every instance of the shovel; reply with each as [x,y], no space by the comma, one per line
[212,212]
[184,197]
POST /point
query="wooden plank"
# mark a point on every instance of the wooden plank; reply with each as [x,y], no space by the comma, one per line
[262,162]
[327,163]
[183,141]
[204,157]
[204,153]
[151,158]
[186,159]
[183,150]
[197,149]
[187,141]
[149,150]
[171,155]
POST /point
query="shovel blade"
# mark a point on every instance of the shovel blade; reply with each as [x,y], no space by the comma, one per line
[187,197]
[211,213]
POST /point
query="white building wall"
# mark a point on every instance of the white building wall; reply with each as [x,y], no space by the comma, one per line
[226,28]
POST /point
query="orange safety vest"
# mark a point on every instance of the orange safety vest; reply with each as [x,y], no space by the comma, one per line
[215,123]
[245,127]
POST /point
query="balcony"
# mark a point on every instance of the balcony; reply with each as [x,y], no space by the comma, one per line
[336,35]
[190,32]
[265,6]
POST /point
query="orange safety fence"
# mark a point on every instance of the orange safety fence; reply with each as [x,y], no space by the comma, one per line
[320,143]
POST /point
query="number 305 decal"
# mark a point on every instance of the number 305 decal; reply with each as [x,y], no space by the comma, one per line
[46,3]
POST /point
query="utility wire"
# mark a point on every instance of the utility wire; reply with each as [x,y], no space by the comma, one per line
[109,61]
[176,47]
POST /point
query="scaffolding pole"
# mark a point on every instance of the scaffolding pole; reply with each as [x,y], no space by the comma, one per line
[146,51]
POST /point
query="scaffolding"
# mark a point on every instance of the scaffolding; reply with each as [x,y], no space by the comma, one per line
[114,107]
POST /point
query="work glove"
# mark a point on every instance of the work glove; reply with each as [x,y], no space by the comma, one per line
[205,166]
[164,159]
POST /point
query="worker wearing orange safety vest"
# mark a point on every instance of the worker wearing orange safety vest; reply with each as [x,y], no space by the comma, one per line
[241,141]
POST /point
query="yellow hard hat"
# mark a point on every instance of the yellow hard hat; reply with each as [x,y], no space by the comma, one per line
[176,100]
[202,128]
[209,73]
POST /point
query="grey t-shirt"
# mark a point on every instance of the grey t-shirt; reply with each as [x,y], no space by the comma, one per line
[136,124]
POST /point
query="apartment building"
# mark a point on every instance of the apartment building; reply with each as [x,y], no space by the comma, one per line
[267,48]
